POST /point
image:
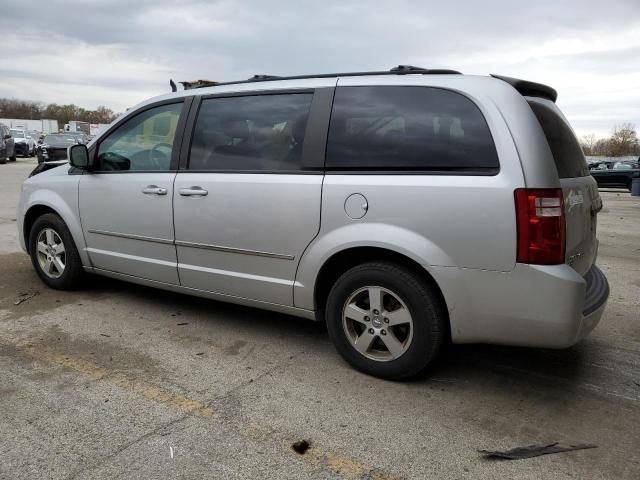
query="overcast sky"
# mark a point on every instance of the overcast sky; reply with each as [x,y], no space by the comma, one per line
[119,52]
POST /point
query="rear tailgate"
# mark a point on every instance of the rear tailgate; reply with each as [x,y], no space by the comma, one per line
[581,198]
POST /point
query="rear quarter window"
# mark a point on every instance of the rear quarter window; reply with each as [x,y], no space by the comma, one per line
[408,128]
[566,151]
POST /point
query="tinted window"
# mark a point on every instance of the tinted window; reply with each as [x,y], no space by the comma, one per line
[260,132]
[410,128]
[144,142]
[60,140]
[564,145]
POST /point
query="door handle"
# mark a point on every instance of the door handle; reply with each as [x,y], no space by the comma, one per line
[154,190]
[193,192]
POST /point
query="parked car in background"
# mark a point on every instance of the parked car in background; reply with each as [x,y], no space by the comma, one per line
[403,208]
[54,146]
[615,174]
[7,145]
[24,144]
[37,137]
[81,137]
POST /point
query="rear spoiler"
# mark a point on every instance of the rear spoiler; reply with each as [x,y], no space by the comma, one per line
[530,89]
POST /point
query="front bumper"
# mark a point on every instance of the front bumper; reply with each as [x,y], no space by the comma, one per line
[532,305]
[50,154]
[22,148]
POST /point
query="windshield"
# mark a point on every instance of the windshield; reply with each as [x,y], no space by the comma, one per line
[59,139]
[623,166]
[17,133]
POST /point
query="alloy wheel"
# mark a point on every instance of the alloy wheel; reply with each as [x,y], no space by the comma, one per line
[51,253]
[377,323]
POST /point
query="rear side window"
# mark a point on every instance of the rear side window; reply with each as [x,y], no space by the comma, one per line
[254,133]
[408,128]
[564,145]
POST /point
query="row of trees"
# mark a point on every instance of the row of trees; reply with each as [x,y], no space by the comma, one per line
[12,108]
[623,141]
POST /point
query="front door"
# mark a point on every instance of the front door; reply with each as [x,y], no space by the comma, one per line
[126,202]
[247,207]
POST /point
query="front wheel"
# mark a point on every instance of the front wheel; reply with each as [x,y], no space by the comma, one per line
[385,320]
[54,254]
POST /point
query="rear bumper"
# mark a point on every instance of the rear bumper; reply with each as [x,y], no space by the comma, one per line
[595,300]
[532,305]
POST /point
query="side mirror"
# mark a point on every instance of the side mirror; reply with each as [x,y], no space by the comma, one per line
[79,156]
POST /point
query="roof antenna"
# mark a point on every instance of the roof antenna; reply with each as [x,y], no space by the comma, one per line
[174,88]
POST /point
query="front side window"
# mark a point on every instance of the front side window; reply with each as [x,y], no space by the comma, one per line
[142,143]
[252,133]
[408,128]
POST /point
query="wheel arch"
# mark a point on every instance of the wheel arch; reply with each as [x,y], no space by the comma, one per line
[345,259]
[34,212]
[42,206]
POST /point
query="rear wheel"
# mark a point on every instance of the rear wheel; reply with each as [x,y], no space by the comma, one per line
[54,254]
[385,320]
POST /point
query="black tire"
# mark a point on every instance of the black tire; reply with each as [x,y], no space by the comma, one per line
[73,270]
[426,309]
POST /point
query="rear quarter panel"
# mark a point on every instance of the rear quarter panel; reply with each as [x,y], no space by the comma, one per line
[463,221]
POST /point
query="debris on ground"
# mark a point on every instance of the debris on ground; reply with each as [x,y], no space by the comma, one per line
[183,323]
[105,335]
[301,446]
[533,451]
[23,297]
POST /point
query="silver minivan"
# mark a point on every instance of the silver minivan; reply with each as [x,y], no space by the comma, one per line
[404,208]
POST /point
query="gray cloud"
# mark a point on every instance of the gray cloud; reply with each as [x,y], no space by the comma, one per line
[117,52]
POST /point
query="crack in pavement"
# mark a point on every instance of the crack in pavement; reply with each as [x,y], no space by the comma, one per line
[126,446]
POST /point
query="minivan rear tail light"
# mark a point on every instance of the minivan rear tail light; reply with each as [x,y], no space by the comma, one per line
[541,226]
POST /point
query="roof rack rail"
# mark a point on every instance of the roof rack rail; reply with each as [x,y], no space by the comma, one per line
[198,84]
[399,70]
[530,89]
[407,69]
[260,77]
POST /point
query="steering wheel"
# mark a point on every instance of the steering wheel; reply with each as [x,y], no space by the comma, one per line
[158,158]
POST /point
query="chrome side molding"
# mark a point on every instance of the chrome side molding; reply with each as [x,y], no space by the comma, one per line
[219,248]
